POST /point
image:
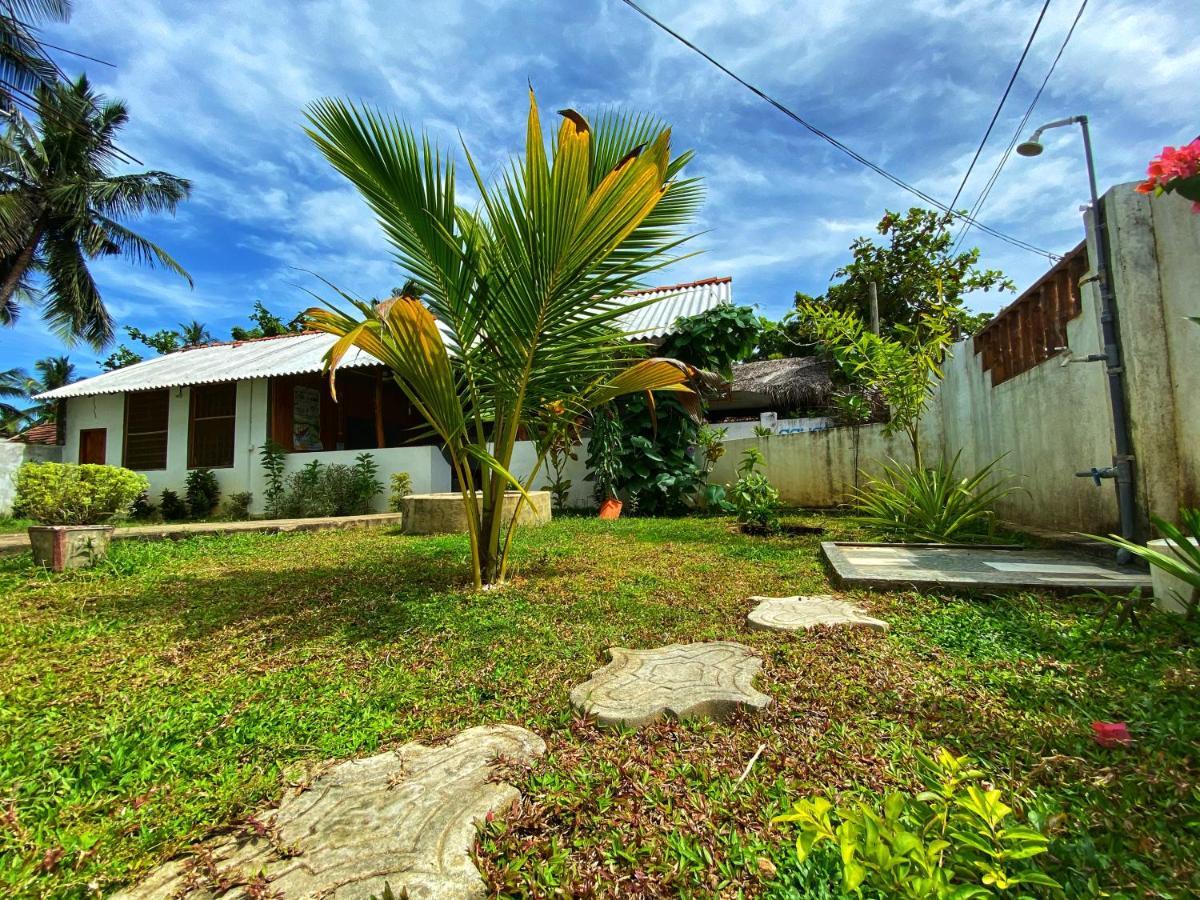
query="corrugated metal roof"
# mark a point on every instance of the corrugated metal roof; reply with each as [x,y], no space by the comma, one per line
[296,354]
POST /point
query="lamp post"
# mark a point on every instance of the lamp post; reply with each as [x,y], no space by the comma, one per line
[1122,464]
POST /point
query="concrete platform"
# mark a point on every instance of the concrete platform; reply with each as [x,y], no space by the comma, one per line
[177,531]
[446,513]
[983,568]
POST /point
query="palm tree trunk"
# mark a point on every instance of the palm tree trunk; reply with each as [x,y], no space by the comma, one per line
[20,264]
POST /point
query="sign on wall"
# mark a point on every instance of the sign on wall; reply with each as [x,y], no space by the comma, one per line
[306,418]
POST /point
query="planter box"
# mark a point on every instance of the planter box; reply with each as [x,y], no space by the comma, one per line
[445,513]
[60,547]
[1170,594]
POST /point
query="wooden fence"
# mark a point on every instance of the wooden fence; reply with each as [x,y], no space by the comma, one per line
[1033,327]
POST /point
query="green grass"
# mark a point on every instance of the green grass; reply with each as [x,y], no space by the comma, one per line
[9,525]
[173,690]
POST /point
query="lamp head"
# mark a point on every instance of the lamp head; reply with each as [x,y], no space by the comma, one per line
[1033,146]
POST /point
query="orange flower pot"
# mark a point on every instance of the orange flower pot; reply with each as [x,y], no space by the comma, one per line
[610,509]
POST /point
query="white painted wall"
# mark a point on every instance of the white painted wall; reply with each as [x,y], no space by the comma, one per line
[737,430]
[12,456]
[524,456]
[425,465]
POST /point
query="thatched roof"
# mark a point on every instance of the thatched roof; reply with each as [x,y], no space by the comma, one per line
[801,381]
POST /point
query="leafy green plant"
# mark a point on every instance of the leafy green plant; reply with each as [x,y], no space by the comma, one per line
[952,840]
[271,456]
[560,453]
[67,494]
[173,508]
[604,452]
[349,490]
[716,339]
[1183,562]
[237,506]
[763,431]
[902,370]
[401,488]
[751,498]
[202,493]
[142,509]
[932,503]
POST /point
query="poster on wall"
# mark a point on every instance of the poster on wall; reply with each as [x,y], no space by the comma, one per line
[306,418]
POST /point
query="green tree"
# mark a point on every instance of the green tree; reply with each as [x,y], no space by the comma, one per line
[194,334]
[61,206]
[24,63]
[120,358]
[266,324]
[14,386]
[916,273]
[522,295]
[903,369]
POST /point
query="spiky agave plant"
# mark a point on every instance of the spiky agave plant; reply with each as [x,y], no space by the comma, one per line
[519,298]
[932,503]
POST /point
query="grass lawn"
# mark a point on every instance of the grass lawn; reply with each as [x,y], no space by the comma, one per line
[169,693]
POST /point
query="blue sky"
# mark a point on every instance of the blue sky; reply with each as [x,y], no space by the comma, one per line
[217,89]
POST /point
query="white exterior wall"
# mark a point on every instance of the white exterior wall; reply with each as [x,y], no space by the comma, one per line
[525,455]
[13,455]
[425,465]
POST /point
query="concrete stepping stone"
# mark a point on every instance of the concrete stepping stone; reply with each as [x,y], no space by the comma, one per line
[682,680]
[795,613]
[404,819]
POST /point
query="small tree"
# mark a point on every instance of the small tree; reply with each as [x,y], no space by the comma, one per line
[522,295]
[916,273]
[903,369]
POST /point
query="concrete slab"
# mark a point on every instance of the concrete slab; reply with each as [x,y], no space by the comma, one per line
[638,687]
[403,820]
[981,568]
[805,613]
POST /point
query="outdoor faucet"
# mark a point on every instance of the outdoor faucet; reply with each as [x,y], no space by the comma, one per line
[1096,474]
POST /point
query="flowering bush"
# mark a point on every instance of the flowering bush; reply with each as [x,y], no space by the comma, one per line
[1175,170]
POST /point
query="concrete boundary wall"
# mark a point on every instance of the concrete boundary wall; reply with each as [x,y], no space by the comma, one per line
[1054,419]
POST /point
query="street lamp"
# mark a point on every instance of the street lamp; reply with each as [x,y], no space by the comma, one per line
[1122,464]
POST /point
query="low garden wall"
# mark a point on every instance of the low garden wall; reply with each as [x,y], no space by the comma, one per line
[12,455]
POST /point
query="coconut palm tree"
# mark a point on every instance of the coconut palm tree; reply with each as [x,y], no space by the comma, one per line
[14,385]
[61,206]
[516,329]
[24,64]
[193,333]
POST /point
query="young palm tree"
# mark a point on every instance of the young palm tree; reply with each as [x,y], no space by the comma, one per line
[194,333]
[61,206]
[516,328]
[24,64]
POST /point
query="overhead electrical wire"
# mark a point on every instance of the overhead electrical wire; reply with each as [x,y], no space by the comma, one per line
[853,154]
[999,106]
[1020,130]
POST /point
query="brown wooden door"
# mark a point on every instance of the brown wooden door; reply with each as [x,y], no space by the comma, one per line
[93,445]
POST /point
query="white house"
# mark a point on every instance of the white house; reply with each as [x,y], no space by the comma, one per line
[215,407]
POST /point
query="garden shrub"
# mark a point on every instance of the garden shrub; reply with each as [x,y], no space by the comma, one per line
[271,456]
[401,488]
[954,839]
[68,494]
[752,499]
[932,503]
[237,506]
[202,492]
[172,507]
[333,490]
[143,510]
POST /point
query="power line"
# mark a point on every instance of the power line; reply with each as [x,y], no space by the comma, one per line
[1000,105]
[30,103]
[853,154]
[1020,129]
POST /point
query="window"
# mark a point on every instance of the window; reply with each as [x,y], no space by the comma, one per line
[210,426]
[146,430]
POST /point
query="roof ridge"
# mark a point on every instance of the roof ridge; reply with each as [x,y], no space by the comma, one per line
[716,279]
[235,343]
